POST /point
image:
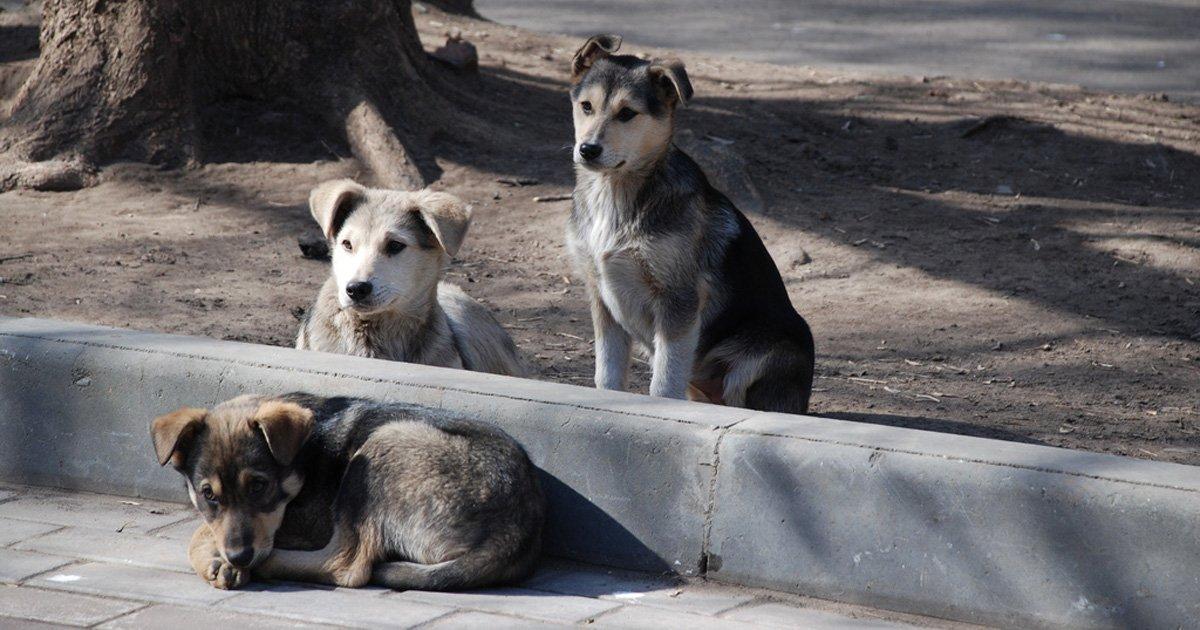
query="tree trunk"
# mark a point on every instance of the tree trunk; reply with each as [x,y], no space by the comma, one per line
[139,80]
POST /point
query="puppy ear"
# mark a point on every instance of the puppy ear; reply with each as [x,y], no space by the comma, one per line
[594,48]
[332,202]
[173,433]
[285,425]
[447,217]
[672,81]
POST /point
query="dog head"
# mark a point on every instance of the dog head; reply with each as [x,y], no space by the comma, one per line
[388,246]
[238,460]
[623,106]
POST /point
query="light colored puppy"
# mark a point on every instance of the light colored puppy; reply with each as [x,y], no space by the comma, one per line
[384,298]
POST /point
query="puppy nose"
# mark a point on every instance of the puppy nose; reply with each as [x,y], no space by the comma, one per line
[589,151]
[240,558]
[359,291]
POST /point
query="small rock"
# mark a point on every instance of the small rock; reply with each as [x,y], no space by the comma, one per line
[802,259]
[298,313]
[314,246]
[420,8]
[997,346]
[458,54]
[84,382]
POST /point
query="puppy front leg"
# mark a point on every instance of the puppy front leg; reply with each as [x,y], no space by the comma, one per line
[613,345]
[676,335]
[207,561]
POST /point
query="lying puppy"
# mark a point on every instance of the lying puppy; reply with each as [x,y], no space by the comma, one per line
[347,492]
[669,262]
[384,298]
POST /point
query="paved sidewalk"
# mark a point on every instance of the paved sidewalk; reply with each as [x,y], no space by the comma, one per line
[1120,45]
[76,559]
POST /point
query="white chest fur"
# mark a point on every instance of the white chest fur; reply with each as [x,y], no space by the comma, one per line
[613,253]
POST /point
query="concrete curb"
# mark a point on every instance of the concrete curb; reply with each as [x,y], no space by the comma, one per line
[964,528]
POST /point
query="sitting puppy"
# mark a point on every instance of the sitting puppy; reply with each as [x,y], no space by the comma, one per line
[348,492]
[669,262]
[384,298]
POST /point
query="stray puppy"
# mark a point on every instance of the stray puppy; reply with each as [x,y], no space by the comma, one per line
[669,262]
[384,298]
[347,492]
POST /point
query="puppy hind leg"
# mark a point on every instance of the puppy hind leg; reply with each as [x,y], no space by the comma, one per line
[475,568]
[345,561]
[782,385]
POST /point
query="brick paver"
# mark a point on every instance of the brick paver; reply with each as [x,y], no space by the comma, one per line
[12,531]
[18,565]
[77,559]
[62,608]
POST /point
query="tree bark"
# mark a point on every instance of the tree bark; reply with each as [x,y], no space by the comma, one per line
[134,80]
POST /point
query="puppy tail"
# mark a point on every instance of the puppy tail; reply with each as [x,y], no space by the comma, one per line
[474,569]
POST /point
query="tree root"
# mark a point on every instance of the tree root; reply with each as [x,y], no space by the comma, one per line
[52,175]
[379,147]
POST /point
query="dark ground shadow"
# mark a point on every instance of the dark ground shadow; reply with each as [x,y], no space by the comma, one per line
[932,424]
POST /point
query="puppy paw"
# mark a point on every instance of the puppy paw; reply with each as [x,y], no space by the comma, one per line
[225,576]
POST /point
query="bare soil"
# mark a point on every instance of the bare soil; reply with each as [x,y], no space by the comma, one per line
[996,259]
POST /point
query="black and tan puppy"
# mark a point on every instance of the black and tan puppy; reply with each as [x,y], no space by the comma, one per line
[349,492]
[670,263]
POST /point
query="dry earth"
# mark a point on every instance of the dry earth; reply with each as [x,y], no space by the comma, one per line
[989,258]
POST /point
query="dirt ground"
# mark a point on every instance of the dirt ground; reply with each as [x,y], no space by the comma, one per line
[988,258]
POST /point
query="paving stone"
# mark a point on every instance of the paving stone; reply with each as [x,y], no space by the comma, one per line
[182,530]
[359,608]
[55,607]
[129,582]
[786,616]
[107,546]
[471,620]
[9,623]
[516,601]
[12,531]
[18,565]
[185,618]
[650,618]
[91,510]
[625,588]
[701,599]
[594,581]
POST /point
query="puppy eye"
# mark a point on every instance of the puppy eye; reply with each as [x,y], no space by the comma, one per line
[393,247]
[626,114]
[347,246]
[587,107]
[208,494]
[257,486]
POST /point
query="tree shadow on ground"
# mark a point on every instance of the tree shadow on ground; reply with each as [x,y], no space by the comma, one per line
[945,193]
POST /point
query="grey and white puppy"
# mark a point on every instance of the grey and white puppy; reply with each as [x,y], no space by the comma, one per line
[348,492]
[670,263]
[384,298]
